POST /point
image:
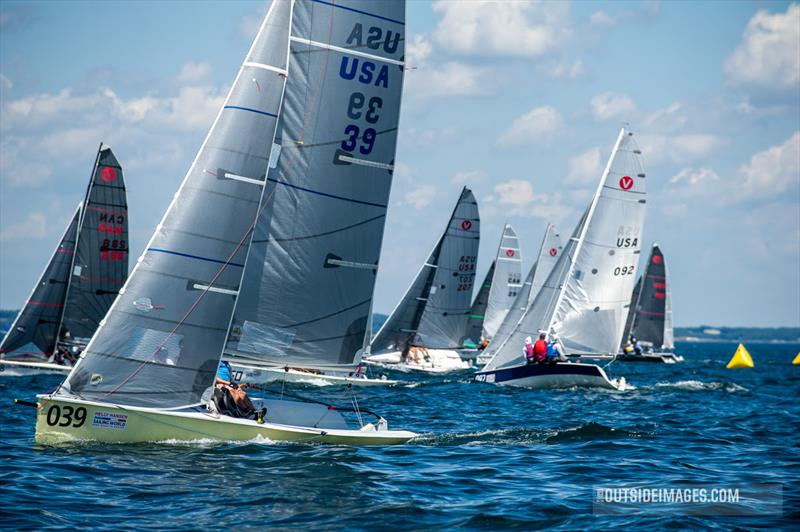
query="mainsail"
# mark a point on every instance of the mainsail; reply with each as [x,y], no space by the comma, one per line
[434,311]
[34,333]
[584,300]
[307,289]
[161,341]
[477,313]
[649,309]
[506,282]
[549,253]
[100,263]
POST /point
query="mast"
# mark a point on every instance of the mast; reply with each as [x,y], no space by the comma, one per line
[582,235]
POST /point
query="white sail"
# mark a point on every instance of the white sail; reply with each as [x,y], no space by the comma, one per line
[584,300]
[506,282]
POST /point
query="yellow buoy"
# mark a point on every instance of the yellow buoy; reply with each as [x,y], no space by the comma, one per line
[741,359]
[796,360]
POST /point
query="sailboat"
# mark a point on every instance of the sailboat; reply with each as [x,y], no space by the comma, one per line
[497,294]
[650,315]
[428,326]
[79,283]
[549,252]
[149,371]
[584,302]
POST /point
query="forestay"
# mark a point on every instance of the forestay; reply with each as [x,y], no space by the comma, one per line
[549,253]
[477,313]
[435,309]
[100,264]
[506,282]
[310,275]
[34,333]
[584,300]
[161,341]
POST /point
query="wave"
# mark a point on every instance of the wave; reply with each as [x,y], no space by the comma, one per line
[523,435]
[696,386]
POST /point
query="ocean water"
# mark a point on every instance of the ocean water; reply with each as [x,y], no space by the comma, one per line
[489,457]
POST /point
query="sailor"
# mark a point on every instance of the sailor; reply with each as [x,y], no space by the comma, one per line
[540,349]
[554,351]
[484,344]
[225,386]
[527,350]
[637,348]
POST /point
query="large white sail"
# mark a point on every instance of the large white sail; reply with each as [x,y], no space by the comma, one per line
[506,282]
[309,279]
[435,309]
[160,343]
[549,252]
[584,300]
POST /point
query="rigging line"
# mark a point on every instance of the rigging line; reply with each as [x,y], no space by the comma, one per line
[318,235]
[196,302]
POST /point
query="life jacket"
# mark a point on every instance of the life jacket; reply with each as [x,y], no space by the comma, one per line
[540,350]
[552,352]
[529,354]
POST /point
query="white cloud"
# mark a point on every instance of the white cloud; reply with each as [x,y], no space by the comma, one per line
[517,198]
[669,118]
[679,149]
[421,196]
[33,227]
[768,57]
[193,72]
[564,69]
[515,192]
[521,29]
[418,49]
[537,125]
[585,168]
[469,177]
[692,177]
[608,105]
[445,80]
[5,83]
[771,171]
[601,18]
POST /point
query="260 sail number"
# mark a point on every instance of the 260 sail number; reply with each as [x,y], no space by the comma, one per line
[66,416]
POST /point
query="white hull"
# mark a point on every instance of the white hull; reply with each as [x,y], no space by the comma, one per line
[14,368]
[62,420]
[438,361]
[259,375]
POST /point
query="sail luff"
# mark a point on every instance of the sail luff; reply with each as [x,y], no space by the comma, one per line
[477,313]
[506,282]
[585,227]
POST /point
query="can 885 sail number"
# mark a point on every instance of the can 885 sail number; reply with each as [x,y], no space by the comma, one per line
[66,416]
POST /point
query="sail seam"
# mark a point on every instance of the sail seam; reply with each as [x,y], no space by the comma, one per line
[359,11]
[251,110]
[197,257]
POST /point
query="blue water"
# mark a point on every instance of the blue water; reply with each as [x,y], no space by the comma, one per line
[490,457]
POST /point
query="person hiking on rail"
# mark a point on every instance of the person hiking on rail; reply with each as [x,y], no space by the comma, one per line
[540,349]
[527,351]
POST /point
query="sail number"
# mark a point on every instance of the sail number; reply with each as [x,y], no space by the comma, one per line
[67,416]
[623,270]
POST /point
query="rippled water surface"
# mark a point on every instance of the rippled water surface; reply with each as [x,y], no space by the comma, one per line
[489,458]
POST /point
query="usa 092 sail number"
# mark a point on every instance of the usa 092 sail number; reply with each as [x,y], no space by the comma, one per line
[66,416]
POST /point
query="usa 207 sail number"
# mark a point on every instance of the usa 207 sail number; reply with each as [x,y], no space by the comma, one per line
[66,416]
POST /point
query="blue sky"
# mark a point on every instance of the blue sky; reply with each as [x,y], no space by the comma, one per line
[521,101]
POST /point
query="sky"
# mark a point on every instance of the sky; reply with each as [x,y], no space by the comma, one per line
[520,101]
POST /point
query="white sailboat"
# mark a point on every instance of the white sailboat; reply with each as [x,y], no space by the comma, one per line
[79,283]
[148,372]
[549,252]
[427,329]
[496,295]
[584,302]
